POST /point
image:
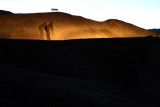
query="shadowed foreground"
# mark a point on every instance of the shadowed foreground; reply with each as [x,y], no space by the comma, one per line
[80,73]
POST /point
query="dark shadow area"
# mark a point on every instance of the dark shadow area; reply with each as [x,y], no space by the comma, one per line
[80,73]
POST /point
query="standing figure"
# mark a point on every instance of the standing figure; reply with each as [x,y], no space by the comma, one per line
[46,31]
[42,29]
[50,30]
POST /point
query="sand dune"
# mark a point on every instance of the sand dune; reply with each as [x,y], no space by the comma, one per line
[62,26]
[155,30]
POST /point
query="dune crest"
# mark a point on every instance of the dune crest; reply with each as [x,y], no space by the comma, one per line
[62,26]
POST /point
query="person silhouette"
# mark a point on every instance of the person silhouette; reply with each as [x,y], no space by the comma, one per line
[42,29]
[46,31]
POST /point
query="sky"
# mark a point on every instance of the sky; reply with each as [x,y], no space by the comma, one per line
[142,13]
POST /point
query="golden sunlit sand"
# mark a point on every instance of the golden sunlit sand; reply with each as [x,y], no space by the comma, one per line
[62,26]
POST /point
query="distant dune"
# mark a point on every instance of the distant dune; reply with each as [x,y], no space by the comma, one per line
[62,26]
[3,12]
[155,30]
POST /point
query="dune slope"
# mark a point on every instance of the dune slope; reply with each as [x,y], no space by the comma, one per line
[62,26]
